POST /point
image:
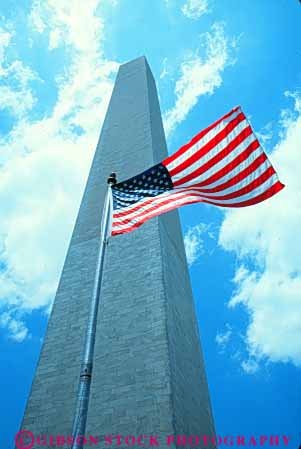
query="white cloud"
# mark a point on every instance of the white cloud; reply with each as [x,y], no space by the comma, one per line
[55,37]
[194,9]
[222,338]
[17,102]
[265,134]
[75,23]
[250,366]
[164,71]
[296,97]
[200,76]
[266,239]
[5,37]
[194,242]
[15,77]
[17,330]
[44,163]
[35,19]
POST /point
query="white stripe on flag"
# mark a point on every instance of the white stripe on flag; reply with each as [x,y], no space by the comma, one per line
[216,167]
[203,141]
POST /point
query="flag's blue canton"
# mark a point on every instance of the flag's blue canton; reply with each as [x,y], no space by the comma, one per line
[152,182]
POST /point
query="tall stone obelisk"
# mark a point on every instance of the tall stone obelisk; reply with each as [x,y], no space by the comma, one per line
[148,375]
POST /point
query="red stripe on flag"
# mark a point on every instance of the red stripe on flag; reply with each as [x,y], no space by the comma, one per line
[239,177]
[221,155]
[169,199]
[196,138]
[138,206]
[275,188]
[233,164]
[246,189]
[209,145]
[153,214]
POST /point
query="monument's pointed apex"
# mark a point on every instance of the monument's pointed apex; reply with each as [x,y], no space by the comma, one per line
[140,60]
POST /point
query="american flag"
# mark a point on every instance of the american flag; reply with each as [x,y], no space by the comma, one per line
[223,165]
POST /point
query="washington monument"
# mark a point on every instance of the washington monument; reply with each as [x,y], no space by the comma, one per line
[148,374]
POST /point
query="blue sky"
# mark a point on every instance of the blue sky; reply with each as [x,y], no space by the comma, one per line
[58,63]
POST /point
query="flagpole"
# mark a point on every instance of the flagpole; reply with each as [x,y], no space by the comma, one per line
[83,393]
